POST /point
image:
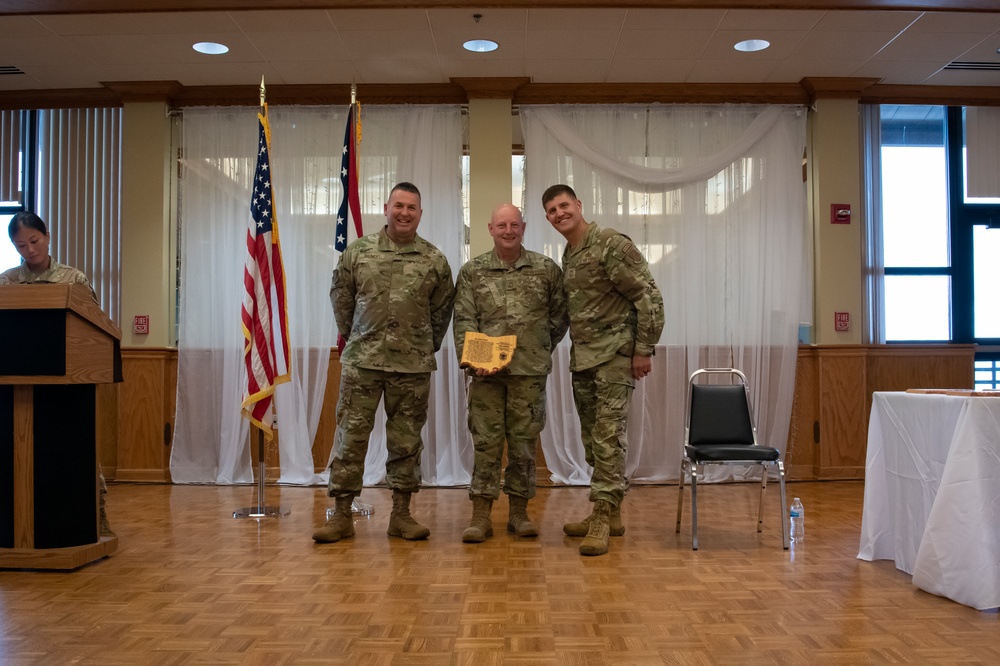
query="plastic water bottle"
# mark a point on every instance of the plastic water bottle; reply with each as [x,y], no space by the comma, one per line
[797,521]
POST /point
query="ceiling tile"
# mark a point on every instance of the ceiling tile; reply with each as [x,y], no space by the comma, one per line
[928,47]
[292,20]
[649,71]
[899,72]
[167,23]
[577,19]
[567,71]
[729,71]
[305,72]
[748,19]
[91,24]
[794,70]
[866,21]
[493,18]
[820,45]
[21,26]
[570,44]
[294,46]
[400,71]
[483,68]
[367,19]
[388,45]
[674,19]
[665,44]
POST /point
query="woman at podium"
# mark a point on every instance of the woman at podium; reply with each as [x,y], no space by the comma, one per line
[31,238]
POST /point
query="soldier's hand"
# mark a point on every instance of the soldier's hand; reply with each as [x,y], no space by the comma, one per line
[641,366]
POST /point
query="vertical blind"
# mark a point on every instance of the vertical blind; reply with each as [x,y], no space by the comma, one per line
[10,156]
[79,194]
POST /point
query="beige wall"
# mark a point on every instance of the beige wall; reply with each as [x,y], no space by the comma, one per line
[835,178]
[148,199]
[490,139]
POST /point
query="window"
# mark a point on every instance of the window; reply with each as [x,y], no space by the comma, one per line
[64,165]
[936,226]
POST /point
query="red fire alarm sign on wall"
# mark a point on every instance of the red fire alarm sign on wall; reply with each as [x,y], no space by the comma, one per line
[840,213]
[140,324]
[841,321]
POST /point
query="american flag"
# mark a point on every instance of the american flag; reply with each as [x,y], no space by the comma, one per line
[350,204]
[264,302]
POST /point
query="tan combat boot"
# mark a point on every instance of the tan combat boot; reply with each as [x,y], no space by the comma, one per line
[481,527]
[596,541]
[518,522]
[401,523]
[341,524]
[105,529]
[615,524]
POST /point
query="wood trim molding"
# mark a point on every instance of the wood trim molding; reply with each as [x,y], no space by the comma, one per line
[491,87]
[519,89]
[11,7]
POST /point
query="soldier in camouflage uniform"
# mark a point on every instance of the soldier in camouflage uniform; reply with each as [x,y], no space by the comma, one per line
[392,298]
[508,291]
[30,237]
[616,317]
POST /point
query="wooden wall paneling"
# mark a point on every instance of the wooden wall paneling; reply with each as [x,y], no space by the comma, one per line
[802,454]
[843,408]
[142,415]
[107,429]
[833,388]
[169,406]
[897,368]
[323,442]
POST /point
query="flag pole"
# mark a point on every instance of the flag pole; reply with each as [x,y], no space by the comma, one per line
[262,510]
[357,507]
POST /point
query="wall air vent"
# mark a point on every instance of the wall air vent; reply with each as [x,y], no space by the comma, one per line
[9,69]
[982,66]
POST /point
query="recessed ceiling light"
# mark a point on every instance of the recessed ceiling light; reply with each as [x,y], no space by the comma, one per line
[211,48]
[751,45]
[480,45]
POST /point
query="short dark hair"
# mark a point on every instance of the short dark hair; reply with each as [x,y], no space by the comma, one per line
[26,219]
[555,191]
[405,187]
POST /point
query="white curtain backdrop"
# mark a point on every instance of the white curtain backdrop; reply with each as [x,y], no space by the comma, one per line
[714,197]
[421,144]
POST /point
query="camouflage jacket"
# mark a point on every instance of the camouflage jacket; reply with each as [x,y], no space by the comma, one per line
[614,304]
[526,300]
[56,274]
[392,302]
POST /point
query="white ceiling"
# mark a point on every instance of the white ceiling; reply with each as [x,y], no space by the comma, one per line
[607,45]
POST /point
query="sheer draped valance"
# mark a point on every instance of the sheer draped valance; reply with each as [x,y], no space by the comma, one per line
[714,197]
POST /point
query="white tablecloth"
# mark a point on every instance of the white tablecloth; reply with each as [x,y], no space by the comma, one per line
[932,493]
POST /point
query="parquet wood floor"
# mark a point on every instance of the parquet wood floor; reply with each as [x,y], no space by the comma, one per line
[192,585]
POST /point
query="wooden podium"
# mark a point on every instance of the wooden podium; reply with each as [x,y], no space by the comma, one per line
[56,346]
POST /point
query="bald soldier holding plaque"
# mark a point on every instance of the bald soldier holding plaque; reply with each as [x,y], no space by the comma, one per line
[509,291]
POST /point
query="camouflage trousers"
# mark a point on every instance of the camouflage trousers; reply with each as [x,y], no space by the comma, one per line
[511,408]
[603,395]
[406,396]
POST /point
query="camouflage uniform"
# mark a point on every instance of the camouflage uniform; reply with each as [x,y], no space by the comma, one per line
[393,303]
[615,312]
[525,299]
[56,274]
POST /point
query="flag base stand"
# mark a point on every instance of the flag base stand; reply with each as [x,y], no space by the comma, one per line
[358,508]
[261,510]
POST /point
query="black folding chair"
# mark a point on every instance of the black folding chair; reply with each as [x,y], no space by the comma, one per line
[719,430]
